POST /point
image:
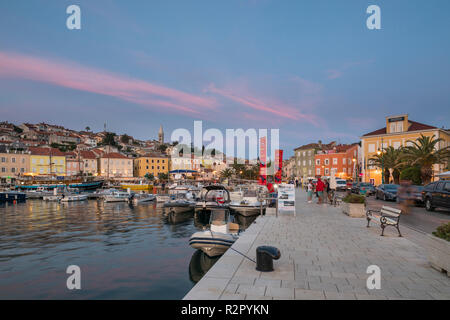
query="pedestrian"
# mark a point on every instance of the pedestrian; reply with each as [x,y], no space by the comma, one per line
[404,195]
[310,188]
[296,182]
[319,188]
[333,186]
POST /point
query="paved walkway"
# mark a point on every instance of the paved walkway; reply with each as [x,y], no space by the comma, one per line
[324,255]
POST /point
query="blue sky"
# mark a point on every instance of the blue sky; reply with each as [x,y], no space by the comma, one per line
[310,68]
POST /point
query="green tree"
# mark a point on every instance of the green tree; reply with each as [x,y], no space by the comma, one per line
[412,174]
[149,176]
[87,128]
[125,138]
[424,153]
[388,160]
[163,176]
[108,139]
[162,147]
[226,174]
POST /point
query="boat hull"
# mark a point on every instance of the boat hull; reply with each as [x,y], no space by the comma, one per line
[246,211]
[212,243]
[12,196]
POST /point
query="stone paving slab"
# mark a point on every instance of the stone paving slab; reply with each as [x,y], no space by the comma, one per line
[324,255]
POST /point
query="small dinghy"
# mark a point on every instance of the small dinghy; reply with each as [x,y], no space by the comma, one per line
[138,198]
[221,235]
[180,204]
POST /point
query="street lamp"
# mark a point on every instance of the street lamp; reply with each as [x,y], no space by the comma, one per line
[382,160]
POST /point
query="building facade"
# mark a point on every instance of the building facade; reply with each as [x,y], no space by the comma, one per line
[151,164]
[399,130]
[304,165]
[341,161]
[115,165]
[13,164]
[47,161]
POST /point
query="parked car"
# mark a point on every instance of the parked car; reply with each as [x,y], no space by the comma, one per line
[386,192]
[416,195]
[364,187]
[436,194]
[341,184]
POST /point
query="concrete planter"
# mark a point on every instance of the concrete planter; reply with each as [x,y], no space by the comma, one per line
[438,251]
[354,210]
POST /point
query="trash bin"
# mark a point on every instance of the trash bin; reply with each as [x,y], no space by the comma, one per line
[265,256]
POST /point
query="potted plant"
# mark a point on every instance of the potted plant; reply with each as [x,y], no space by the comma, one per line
[354,205]
[438,246]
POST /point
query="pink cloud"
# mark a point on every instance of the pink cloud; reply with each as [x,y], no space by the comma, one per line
[74,76]
[275,108]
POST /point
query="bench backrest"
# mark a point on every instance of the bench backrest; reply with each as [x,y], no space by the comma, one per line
[385,210]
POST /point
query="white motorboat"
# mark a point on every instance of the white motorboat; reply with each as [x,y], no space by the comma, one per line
[213,197]
[73,197]
[249,205]
[161,198]
[138,198]
[52,197]
[221,235]
[118,196]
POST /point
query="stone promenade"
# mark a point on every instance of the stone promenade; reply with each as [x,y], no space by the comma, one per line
[324,255]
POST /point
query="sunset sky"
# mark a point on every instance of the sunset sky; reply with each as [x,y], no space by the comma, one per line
[310,68]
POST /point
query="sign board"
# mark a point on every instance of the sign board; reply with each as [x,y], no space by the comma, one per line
[286,197]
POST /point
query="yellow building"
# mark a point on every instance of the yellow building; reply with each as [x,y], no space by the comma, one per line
[46,161]
[152,164]
[399,129]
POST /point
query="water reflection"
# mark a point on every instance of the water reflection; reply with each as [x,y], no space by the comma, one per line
[124,251]
[200,264]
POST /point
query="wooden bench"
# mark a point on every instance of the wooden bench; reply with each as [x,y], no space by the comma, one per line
[387,216]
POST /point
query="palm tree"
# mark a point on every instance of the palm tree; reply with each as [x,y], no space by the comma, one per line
[424,153]
[226,174]
[389,160]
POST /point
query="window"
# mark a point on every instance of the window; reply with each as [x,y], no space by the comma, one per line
[33,161]
[327,171]
[327,161]
[335,160]
[304,162]
[344,161]
[345,169]
[397,144]
[304,153]
[372,147]
[3,169]
[13,160]
[318,171]
[399,126]
[317,161]
[22,170]
[392,127]
[3,159]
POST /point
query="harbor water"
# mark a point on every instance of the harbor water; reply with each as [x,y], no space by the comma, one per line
[124,252]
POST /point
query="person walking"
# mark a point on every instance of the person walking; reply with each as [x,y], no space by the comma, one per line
[319,189]
[310,188]
[333,186]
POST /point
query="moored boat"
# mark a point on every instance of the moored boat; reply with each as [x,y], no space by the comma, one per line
[221,235]
[11,196]
[142,198]
[118,196]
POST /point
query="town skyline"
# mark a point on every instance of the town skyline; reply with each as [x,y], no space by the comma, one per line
[133,67]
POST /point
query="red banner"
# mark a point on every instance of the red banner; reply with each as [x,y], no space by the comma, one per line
[263,161]
[278,165]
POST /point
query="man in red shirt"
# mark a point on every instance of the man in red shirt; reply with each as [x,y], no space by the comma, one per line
[319,188]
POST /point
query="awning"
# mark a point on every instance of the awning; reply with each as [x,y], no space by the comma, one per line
[183,171]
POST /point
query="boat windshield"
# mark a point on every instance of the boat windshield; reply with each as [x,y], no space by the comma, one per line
[219,217]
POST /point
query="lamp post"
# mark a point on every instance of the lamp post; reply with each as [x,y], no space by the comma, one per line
[382,160]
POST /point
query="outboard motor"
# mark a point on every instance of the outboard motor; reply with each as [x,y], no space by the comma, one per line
[265,256]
